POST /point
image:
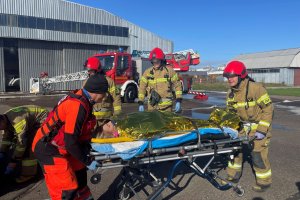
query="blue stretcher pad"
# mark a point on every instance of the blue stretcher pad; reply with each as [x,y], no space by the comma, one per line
[128,150]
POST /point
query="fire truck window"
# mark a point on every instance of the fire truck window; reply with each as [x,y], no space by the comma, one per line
[107,62]
[122,65]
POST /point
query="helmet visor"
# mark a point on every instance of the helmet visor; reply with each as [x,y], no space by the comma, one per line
[155,61]
[229,75]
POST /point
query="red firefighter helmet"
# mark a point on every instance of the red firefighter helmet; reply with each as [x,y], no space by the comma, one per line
[43,74]
[93,63]
[235,68]
[157,53]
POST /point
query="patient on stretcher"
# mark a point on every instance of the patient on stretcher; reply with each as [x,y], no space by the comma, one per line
[106,129]
[154,124]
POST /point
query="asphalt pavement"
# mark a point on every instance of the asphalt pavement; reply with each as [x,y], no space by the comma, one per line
[284,158]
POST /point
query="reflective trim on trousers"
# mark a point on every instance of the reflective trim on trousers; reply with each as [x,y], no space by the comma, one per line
[234,166]
[263,175]
[264,123]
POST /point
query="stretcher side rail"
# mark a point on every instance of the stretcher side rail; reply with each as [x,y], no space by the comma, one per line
[162,158]
[153,152]
[183,154]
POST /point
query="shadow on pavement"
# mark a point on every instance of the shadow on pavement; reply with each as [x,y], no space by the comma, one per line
[297,195]
[8,185]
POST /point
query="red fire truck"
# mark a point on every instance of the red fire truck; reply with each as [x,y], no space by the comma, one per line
[124,69]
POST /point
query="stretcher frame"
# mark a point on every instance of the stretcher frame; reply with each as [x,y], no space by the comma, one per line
[134,170]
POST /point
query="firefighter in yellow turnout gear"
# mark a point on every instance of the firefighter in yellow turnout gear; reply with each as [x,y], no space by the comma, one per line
[111,104]
[159,82]
[252,103]
[18,127]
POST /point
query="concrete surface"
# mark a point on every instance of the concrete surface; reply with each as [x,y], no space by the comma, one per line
[284,157]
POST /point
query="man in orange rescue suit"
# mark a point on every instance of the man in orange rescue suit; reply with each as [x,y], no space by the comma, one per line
[252,103]
[18,126]
[159,82]
[111,104]
[62,144]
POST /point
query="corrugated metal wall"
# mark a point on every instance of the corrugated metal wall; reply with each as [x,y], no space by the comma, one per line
[74,58]
[139,38]
[55,58]
[285,76]
[2,74]
[38,56]
[60,52]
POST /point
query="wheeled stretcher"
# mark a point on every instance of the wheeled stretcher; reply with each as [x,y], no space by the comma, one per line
[181,147]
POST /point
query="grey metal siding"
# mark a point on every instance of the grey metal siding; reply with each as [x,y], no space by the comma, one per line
[56,59]
[2,74]
[38,56]
[285,76]
[60,52]
[139,38]
[75,56]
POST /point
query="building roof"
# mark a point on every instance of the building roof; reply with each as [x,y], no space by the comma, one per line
[271,59]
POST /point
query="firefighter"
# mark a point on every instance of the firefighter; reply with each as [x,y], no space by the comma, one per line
[62,144]
[18,126]
[252,103]
[111,104]
[159,82]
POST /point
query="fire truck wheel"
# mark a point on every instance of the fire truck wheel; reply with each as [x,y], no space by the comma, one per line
[130,94]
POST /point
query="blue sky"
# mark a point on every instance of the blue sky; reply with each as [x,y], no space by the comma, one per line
[218,29]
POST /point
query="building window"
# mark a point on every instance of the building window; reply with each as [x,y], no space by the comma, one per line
[90,28]
[13,20]
[22,21]
[75,27]
[31,22]
[119,31]
[112,30]
[40,23]
[83,28]
[104,30]
[67,26]
[3,20]
[50,24]
[262,71]
[98,29]
[125,32]
[59,25]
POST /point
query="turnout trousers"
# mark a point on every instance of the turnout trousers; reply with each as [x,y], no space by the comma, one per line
[261,164]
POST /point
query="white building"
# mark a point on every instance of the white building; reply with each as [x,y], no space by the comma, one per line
[57,36]
[279,66]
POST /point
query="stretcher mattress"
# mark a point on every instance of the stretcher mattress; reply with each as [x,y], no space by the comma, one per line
[128,150]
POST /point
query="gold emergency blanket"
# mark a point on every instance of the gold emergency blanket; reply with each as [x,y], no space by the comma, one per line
[141,125]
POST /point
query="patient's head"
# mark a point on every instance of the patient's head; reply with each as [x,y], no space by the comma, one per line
[107,129]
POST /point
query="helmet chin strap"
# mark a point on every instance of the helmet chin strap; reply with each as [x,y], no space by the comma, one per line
[238,83]
[156,68]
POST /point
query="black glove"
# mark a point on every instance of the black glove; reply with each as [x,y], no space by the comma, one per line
[90,159]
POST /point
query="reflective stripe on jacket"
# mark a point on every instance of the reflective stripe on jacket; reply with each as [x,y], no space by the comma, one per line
[23,123]
[257,108]
[163,80]
[111,104]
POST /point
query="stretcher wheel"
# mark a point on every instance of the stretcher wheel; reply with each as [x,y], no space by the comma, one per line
[96,178]
[239,191]
[122,193]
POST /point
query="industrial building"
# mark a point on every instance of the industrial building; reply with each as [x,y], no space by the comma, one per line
[278,66]
[57,36]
